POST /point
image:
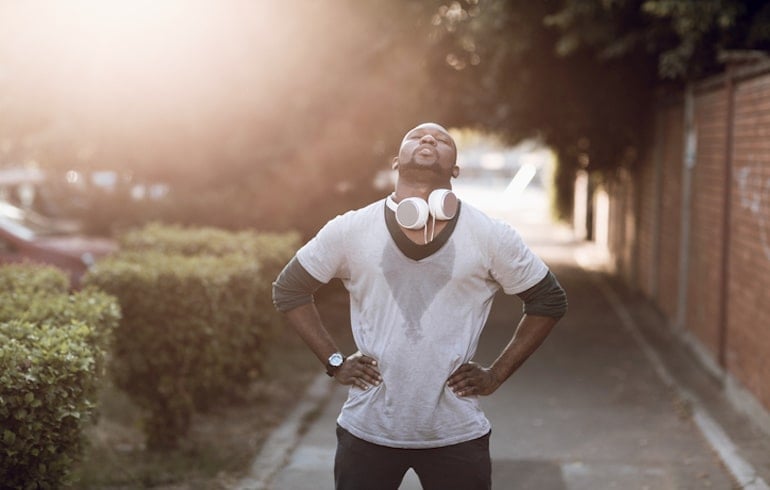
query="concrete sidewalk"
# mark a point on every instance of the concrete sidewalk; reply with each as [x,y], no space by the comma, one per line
[611,400]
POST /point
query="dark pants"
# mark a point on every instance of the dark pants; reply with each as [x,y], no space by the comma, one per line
[361,465]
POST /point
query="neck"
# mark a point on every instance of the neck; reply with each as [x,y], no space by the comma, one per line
[416,189]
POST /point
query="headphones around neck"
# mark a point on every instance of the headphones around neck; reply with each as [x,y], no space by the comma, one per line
[412,213]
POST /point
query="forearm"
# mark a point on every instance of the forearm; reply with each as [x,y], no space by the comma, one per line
[306,321]
[358,369]
[473,379]
[529,335]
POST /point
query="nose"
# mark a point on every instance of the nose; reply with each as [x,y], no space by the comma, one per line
[429,139]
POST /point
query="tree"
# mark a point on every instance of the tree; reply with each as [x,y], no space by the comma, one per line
[255,115]
[581,73]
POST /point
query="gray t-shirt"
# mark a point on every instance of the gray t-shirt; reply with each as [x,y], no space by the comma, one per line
[421,319]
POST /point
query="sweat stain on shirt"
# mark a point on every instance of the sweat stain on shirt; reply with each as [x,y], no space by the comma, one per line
[415,284]
[390,293]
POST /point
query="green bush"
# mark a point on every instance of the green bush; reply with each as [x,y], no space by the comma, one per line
[196,313]
[52,351]
[95,308]
[178,240]
[189,332]
[270,250]
[39,295]
[24,279]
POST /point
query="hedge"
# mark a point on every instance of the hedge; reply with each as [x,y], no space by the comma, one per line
[271,250]
[196,313]
[30,278]
[52,356]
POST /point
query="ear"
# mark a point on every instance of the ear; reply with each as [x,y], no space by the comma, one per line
[395,163]
[455,171]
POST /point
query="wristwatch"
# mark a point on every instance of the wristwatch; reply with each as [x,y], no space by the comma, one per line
[334,362]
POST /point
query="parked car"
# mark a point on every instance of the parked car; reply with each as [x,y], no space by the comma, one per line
[29,236]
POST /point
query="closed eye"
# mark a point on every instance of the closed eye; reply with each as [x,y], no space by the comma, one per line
[438,137]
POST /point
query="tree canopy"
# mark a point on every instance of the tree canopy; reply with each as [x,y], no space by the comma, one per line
[581,74]
[256,112]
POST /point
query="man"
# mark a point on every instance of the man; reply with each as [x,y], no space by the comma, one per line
[421,286]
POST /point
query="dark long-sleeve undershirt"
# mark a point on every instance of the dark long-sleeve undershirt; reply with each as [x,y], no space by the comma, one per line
[295,286]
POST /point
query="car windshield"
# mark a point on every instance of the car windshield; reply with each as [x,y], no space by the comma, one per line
[26,224]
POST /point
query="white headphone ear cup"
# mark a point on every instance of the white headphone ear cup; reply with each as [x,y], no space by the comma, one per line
[443,204]
[412,213]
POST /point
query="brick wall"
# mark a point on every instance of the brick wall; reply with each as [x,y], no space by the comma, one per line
[622,232]
[670,211]
[705,283]
[726,309]
[648,182]
[748,325]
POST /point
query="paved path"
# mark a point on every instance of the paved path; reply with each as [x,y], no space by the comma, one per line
[608,402]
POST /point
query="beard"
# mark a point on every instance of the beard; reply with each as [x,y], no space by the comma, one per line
[415,171]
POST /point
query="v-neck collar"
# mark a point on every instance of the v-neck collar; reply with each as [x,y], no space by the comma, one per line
[413,250]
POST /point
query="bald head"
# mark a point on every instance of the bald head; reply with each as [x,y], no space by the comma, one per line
[431,127]
[428,156]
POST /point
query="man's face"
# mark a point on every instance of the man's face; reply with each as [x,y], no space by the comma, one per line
[428,149]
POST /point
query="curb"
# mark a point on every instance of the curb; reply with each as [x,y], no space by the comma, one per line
[280,444]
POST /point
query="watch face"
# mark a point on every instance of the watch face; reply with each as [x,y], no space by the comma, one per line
[336,360]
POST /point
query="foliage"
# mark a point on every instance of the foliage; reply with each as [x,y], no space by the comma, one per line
[45,374]
[270,250]
[581,74]
[191,241]
[20,280]
[286,138]
[39,295]
[52,357]
[684,36]
[196,313]
[222,442]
